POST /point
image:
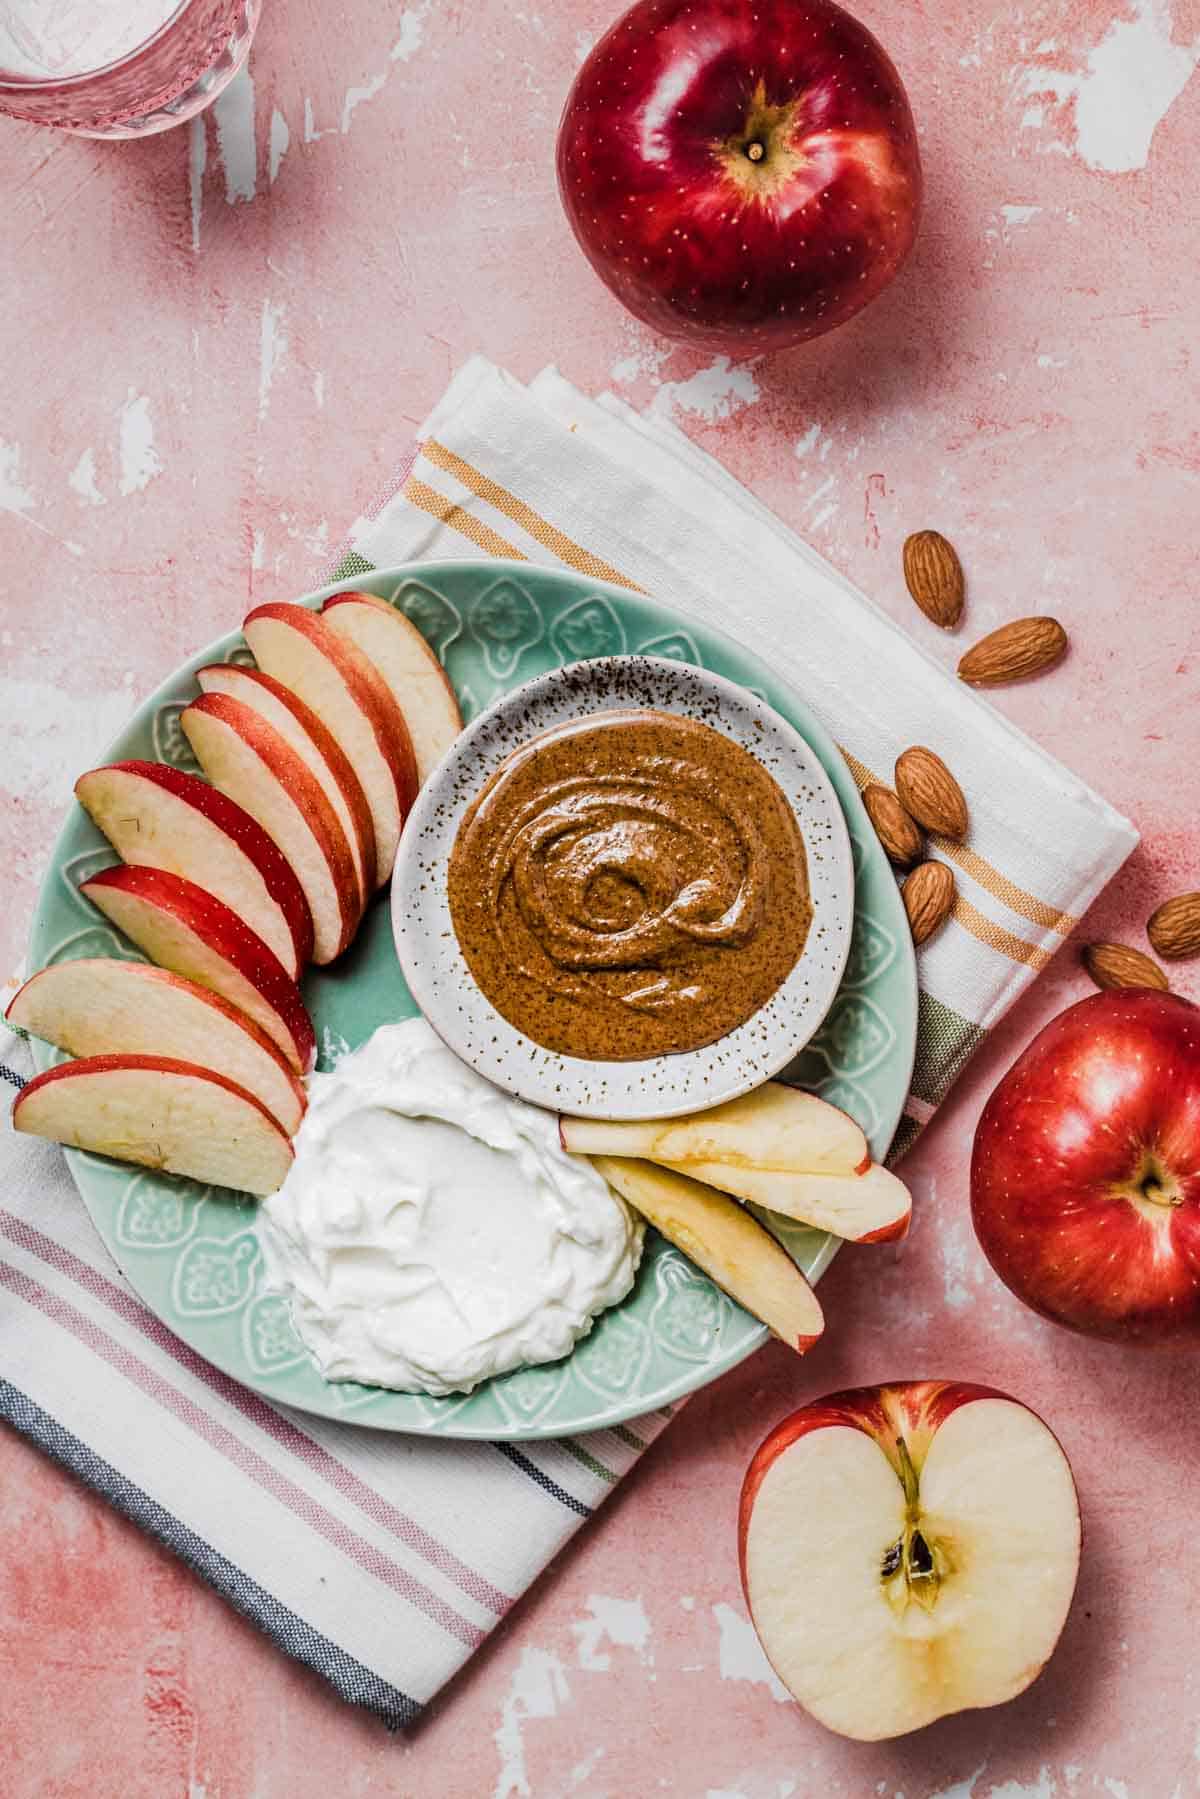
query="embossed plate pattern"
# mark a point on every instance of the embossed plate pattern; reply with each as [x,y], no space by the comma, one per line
[191,1252]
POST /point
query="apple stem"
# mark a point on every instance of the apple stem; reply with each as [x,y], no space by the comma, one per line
[755,151]
[908,1475]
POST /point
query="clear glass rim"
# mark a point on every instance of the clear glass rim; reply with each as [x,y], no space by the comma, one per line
[41,84]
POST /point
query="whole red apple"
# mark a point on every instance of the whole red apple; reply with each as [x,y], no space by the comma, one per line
[743,174]
[1085,1177]
[908,1551]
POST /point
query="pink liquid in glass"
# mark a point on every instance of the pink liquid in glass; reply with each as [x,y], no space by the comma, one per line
[119,68]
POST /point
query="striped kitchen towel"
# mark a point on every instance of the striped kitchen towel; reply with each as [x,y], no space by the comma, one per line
[380,1561]
[383,1561]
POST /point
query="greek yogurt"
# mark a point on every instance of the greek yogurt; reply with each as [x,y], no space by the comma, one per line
[432,1231]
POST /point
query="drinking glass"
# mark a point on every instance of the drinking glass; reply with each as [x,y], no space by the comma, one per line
[119,68]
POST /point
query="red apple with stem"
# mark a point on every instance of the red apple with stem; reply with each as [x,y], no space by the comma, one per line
[743,174]
[1085,1177]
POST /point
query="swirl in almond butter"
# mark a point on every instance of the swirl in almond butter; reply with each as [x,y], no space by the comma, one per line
[628,885]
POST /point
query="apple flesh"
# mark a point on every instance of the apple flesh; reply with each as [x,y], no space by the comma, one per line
[315,744]
[162,1114]
[730,1246]
[743,177]
[416,678]
[250,761]
[907,1552]
[337,682]
[1085,1175]
[775,1127]
[871,1207]
[183,928]
[101,1006]
[160,817]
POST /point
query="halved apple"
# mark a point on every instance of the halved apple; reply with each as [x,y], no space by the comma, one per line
[315,743]
[104,1007]
[346,690]
[160,817]
[418,682]
[908,1551]
[871,1207]
[162,1114]
[189,931]
[774,1127]
[726,1242]
[248,759]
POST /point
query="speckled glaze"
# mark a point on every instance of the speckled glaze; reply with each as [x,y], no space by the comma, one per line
[192,1253]
[660,1086]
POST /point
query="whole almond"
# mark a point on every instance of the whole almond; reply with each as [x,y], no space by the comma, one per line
[928,896]
[894,827]
[1017,650]
[1174,929]
[929,791]
[1120,965]
[934,577]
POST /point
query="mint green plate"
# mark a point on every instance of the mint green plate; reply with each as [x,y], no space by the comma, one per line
[191,1252]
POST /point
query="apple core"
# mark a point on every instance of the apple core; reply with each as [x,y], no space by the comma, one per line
[912,1567]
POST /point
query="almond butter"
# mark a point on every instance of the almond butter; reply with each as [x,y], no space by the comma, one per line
[930,793]
[895,829]
[928,896]
[1174,929]
[934,577]
[1017,650]
[1114,965]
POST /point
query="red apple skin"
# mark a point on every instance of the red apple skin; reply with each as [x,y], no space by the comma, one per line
[89,1065]
[229,937]
[697,239]
[147,972]
[328,746]
[1107,1095]
[277,873]
[914,1410]
[371,692]
[888,1233]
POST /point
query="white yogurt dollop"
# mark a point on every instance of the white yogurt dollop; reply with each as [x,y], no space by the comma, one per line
[432,1231]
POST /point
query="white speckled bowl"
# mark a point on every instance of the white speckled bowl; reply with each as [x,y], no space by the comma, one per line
[663,1086]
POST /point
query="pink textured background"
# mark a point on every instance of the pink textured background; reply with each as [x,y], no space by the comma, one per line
[213,350]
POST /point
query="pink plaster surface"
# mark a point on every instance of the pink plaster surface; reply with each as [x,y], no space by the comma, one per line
[213,351]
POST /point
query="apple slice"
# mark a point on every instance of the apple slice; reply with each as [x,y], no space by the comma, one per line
[248,759]
[775,1127]
[104,1007]
[334,678]
[418,682]
[163,1114]
[907,1552]
[872,1207]
[723,1239]
[160,817]
[184,929]
[315,743]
